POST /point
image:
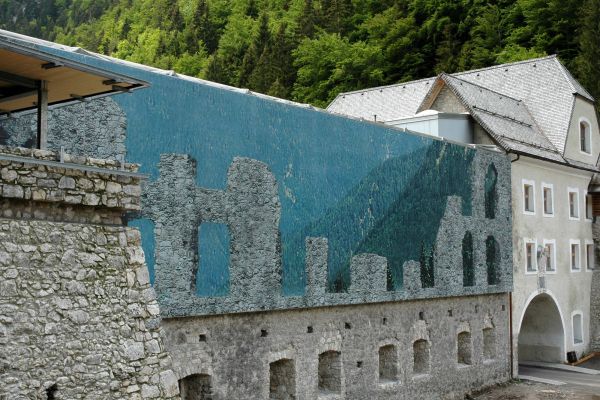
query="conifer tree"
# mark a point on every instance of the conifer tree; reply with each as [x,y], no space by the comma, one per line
[588,60]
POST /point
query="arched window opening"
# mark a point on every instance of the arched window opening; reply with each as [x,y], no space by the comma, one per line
[491,193]
[467,256]
[282,380]
[388,363]
[489,344]
[420,357]
[492,259]
[330,372]
[195,387]
[464,348]
[585,137]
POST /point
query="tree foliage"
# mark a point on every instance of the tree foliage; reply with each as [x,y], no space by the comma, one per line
[310,50]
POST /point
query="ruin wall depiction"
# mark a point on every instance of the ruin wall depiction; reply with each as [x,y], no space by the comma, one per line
[78,317]
[250,209]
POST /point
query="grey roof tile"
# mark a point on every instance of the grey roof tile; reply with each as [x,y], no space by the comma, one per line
[543,85]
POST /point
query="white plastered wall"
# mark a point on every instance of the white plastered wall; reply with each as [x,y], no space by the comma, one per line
[583,110]
[570,290]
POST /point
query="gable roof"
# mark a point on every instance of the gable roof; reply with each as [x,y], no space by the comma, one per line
[507,119]
[543,85]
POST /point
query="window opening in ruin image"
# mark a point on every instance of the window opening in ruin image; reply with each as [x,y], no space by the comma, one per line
[491,193]
[492,260]
[467,257]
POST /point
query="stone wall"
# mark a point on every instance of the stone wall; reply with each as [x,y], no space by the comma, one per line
[96,128]
[242,354]
[78,317]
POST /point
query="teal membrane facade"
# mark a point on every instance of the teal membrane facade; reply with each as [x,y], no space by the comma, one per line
[255,204]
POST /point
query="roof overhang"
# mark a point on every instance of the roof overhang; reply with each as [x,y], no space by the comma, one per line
[24,69]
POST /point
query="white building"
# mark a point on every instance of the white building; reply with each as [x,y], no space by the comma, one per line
[546,122]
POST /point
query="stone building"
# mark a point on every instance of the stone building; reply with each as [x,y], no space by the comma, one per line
[538,114]
[295,254]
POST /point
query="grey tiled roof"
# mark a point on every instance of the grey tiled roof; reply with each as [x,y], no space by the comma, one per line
[507,119]
[386,102]
[543,86]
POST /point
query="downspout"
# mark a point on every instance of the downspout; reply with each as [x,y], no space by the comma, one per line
[510,333]
[510,313]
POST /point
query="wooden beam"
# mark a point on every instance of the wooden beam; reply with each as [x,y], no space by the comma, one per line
[18,80]
[42,116]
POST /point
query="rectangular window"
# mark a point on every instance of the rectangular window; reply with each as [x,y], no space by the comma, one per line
[550,255]
[573,203]
[577,328]
[528,197]
[589,212]
[548,195]
[575,265]
[589,256]
[530,256]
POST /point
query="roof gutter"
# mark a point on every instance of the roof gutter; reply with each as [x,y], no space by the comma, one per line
[522,153]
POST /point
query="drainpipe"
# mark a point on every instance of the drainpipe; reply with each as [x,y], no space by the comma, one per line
[510,330]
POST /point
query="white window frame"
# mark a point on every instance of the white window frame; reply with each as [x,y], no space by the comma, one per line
[552,256]
[578,243]
[534,262]
[573,314]
[532,184]
[587,261]
[589,135]
[578,208]
[585,205]
[551,187]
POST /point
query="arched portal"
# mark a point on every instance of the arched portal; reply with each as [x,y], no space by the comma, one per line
[542,336]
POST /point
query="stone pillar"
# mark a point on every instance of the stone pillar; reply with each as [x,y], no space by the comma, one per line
[316,269]
[253,219]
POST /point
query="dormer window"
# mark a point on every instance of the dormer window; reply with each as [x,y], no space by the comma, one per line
[585,137]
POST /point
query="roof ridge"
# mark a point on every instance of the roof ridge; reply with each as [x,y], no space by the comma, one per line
[486,88]
[570,78]
[375,88]
[454,74]
[510,64]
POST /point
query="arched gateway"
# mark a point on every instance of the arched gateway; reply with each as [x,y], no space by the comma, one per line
[542,335]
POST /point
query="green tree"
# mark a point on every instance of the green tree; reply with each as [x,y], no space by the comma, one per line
[587,63]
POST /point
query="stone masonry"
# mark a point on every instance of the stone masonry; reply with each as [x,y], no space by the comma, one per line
[237,352]
[78,317]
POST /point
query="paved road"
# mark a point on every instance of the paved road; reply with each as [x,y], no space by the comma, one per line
[570,378]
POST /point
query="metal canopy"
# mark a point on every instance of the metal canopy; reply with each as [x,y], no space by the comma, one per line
[22,69]
[31,78]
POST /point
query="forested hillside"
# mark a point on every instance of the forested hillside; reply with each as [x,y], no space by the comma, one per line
[310,50]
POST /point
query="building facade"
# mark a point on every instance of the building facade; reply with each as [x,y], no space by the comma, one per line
[297,254]
[538,114]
